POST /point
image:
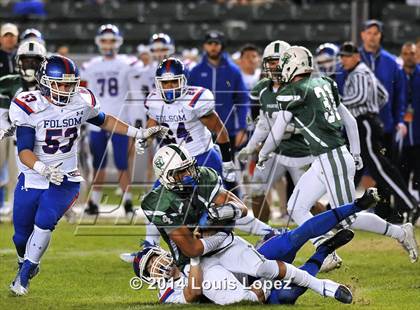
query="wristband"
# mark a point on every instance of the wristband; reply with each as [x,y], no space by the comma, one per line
[195,261]
[132,131]
[226,151]
[39,167]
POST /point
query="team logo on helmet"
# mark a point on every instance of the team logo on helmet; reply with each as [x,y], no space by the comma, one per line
[159,163]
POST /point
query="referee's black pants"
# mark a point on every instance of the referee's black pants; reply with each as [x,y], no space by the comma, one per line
[388,178]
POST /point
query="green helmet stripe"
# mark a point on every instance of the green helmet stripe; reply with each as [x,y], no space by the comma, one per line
[277,48]
[178,151]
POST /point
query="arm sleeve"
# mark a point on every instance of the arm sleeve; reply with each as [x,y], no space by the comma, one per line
[241,101]
[357,94]
[262,129]
[399,104]
[25,138]
[352,131]
[97,120]
[276,133]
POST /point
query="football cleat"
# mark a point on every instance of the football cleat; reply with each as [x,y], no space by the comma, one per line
[128,207]
[340,238]
[409,243]
[92,208]
[369,199]
[332,261]
[20,284]
[337,291]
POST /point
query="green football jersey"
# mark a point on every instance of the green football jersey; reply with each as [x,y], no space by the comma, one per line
[10,86]
[313,103]
[295,146]
[168,210]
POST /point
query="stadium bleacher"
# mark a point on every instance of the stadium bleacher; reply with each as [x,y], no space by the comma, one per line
[186,21]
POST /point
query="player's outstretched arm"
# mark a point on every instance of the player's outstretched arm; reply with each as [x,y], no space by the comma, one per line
[192,292]
[113,124]
[352,131]
[275,136]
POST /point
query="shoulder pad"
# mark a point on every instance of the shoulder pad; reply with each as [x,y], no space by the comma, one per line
[30,102]
[195,94]
[159,200]
[87,96]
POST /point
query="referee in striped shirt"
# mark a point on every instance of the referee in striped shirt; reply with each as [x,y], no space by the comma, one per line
[364,96]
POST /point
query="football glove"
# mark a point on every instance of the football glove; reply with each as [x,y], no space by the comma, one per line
[53,173]
[261,160]
[358,162]
[141,146]
[244,153]
[229,174]
[155,131]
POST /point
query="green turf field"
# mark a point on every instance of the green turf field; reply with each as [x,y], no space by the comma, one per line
[84,272]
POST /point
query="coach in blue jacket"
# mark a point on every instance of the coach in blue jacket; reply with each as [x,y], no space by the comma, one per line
[391,75]
[219,74]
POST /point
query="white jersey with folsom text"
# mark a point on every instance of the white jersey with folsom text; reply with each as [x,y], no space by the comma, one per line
[111,80]
[57,130]
[182,117]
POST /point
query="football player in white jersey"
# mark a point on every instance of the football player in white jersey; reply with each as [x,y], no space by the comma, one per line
[189,113]
[48,125]
[110,77]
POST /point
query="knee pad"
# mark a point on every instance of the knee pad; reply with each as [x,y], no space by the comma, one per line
[47,220]
[268,269]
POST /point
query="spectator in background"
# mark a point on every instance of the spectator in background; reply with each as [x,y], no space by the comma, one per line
[29,7]
[386,69]
[219,74]
[8,43]
[250,63]
[418,50]
[411,150]
[144,54]
[63,50]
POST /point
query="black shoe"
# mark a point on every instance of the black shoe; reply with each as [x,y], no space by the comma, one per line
[128,206]
[413,216]
[341,237]
[92,208]
[343,294]
[369,199]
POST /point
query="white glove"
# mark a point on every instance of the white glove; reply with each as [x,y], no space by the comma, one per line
[358,161]
[9,132]
[141,146]
[53,173]
[244,153]
[229,174]
[261,160]
[155,131]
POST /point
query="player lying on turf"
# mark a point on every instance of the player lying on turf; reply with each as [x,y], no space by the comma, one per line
[48,124]
[187,193]
[220,264]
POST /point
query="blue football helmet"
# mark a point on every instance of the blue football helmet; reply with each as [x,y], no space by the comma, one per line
[171,69]
[32,34]
[112,33]
[162,46]
[152,271]
[326,58]
[58,78]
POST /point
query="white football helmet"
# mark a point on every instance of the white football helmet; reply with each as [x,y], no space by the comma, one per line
[296,60]
[29,56]
[160,269]
[273,51]
[169,161]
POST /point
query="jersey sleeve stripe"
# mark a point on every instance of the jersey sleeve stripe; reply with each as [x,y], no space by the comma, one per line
[169,291]
[92,96]
[23,106]
[196,97]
